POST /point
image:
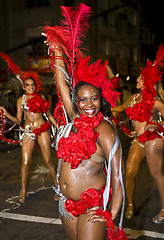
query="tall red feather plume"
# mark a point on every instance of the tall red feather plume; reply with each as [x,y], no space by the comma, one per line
[11,65]
[68,36]
[76,25]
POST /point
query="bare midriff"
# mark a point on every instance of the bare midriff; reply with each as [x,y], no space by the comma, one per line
[88,174]
[35,120]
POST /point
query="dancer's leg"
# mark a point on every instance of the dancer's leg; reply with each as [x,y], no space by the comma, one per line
[44,141]
[135,157]
[27,149]
[154,156]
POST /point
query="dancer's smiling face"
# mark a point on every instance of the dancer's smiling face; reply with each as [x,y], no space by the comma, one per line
[88,100]
[29,86]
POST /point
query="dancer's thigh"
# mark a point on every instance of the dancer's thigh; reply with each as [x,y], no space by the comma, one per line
[135,157]
[27,149]
[70,227]
[88,230]
[154,155]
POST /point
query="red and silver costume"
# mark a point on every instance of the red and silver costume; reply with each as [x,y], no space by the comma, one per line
[36,105]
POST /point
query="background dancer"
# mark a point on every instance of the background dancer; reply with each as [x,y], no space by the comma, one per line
[32,106]
[85,143]
[144,110]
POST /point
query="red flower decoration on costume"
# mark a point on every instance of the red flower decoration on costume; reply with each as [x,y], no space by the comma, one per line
[81,145]
[88,199]
[92,198]
[147,135]
[37,104]
[84,121]
[43,128]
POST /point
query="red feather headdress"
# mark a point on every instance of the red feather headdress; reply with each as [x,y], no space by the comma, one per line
[96,74]
[68,38]
[21,75]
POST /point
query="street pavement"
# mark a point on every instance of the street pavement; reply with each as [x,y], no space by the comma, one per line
[37,218]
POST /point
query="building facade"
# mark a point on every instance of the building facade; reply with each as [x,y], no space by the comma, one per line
[117,34]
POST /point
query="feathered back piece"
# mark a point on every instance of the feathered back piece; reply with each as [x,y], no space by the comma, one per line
[22,76]
[160,56]
[68,36]
[151,74]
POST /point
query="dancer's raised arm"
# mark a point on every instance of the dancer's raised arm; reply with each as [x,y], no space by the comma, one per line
[63,85]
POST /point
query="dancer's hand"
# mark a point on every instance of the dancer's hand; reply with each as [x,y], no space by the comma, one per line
[94,217]
[56,197]
[3,109]
[45,35]
[56,48]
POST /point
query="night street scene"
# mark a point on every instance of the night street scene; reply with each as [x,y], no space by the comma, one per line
[127,36]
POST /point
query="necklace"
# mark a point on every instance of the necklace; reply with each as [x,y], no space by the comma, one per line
[30,94]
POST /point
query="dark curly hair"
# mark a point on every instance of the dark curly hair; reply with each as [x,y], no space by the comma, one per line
[105,106]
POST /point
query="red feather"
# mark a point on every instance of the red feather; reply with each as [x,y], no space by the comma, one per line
[68,36]
[151,74]
[76,24]
[160,53]
[11,65]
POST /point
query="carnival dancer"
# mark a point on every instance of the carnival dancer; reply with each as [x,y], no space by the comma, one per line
[89,140]
[32,106]
[145,110]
